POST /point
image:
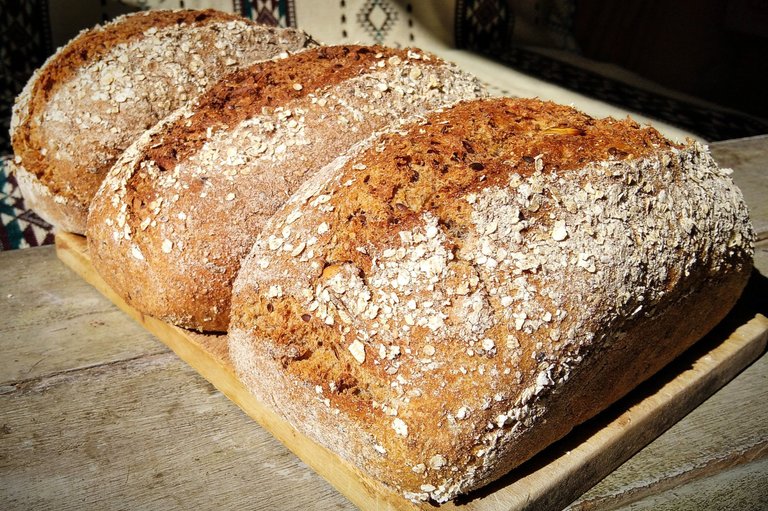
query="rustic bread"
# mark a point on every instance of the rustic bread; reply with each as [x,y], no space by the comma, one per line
[183,205]
[95,95]
[463,292]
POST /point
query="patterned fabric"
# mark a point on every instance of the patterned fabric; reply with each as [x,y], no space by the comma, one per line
[377,17]
[25,45]
[501,29]
[709,123]
[19,227]
[279,13]
[491,26]
[485,26]
[388,22]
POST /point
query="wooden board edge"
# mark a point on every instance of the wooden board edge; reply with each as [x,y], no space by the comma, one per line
[360,489]
[525,488]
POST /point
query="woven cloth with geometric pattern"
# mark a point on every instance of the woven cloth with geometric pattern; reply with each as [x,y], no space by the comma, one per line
[19,227]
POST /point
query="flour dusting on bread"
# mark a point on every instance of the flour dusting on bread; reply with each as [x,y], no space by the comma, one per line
[454,276]
[192,195]
[112,82]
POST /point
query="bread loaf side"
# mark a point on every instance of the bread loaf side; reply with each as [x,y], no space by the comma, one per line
[462,293]
[182,207]
[98,93]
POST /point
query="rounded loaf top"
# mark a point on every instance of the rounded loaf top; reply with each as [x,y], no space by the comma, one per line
[95,95]
[183,205]
[462,292]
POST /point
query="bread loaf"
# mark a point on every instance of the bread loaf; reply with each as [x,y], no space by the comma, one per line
[463,292]
[95,95]
[183,205]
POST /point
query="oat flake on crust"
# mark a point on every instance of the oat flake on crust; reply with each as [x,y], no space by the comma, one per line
[485,284]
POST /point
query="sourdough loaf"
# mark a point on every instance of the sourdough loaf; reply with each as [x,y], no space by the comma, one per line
[463,292]
[95,95]
[183,205]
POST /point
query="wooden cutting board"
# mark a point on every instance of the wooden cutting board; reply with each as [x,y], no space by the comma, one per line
[552,479]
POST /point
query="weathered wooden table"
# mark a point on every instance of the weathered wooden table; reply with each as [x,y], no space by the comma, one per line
[95,413]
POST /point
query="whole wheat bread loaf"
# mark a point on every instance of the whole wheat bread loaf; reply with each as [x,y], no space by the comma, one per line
[98,93]
[462,292]
[183,205]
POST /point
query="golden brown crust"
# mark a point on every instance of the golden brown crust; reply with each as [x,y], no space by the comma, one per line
[112,82]
[473,287]
[243,94]
[88,47]
[181,209]
[92,45]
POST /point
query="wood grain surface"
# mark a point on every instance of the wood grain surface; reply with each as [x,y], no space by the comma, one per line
[749,159]
[124,423]
[549,481]
[73,332]
[708,450]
